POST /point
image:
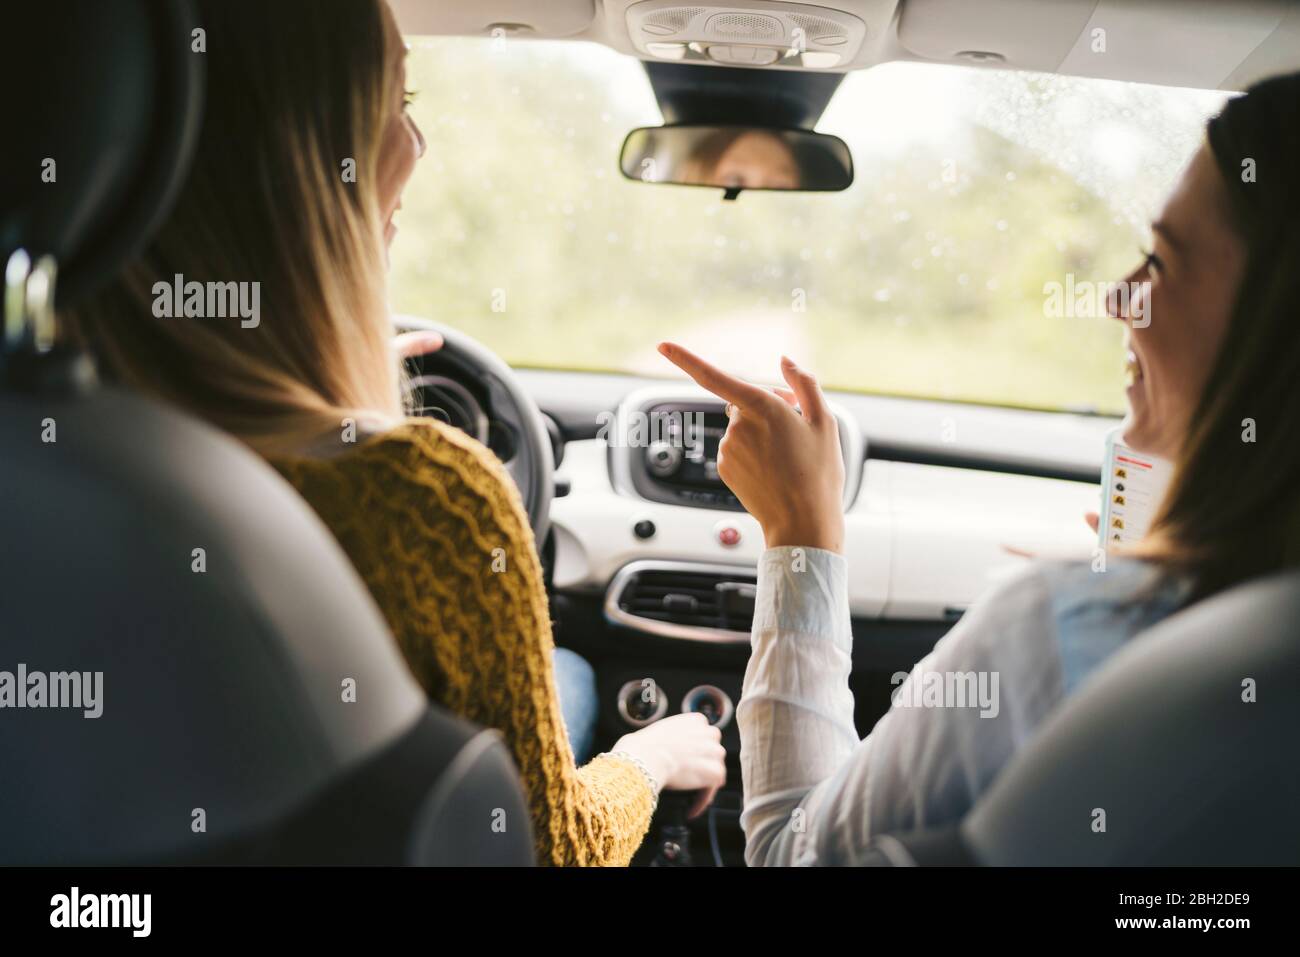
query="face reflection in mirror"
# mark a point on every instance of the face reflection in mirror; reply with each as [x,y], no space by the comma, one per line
[742,159]
[737,157]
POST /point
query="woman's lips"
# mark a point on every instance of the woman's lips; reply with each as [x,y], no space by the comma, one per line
[390,230]
[1132,369]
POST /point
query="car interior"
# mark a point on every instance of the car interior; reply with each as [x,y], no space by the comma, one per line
[568,218]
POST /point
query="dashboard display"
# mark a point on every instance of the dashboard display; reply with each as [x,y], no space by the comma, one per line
[678,448]
[686,451]
[664,448]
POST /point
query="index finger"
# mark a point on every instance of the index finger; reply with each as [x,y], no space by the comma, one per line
[720,383]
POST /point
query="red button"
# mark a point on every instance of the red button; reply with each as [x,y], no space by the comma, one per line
[729,535]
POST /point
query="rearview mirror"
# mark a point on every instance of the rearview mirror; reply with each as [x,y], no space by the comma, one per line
[737,157]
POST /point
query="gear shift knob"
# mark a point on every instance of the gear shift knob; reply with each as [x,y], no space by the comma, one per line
[674,836]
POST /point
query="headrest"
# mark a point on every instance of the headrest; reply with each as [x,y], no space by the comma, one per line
[1178,751]
[224,651]
[105,102]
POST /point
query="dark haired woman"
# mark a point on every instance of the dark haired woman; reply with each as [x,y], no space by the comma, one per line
[1221,352]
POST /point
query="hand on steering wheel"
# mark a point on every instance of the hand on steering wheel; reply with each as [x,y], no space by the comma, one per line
[409,345]
[464,359]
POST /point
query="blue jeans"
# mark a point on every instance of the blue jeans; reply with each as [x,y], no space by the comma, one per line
[575,683]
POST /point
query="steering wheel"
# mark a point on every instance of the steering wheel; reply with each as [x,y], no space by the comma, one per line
[468,386]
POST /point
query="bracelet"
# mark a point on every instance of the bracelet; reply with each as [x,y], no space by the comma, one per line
[640,766]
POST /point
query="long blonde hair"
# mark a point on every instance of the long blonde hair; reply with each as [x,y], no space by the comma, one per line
[282,193]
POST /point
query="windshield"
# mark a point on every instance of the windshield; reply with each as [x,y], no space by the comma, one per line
[983,200]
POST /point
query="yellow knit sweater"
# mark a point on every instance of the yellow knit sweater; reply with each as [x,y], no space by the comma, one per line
[437,530]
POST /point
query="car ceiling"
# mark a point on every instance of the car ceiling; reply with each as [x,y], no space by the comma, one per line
[1210,44]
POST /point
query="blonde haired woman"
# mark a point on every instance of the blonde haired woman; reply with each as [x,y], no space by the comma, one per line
[304,152]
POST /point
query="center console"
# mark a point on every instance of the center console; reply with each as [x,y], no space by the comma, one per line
[662,446]
[678,626]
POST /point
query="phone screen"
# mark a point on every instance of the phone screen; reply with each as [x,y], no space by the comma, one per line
[1132,486]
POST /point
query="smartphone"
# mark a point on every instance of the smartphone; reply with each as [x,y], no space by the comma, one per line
[1132,486]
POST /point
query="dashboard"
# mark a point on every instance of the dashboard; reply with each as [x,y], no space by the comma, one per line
[922,539]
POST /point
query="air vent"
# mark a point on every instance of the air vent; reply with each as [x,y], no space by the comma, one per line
[749,27]
[819,29]
[682,600]
[667,23]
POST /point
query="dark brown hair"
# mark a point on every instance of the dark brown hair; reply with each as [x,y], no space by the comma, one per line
[1232,511]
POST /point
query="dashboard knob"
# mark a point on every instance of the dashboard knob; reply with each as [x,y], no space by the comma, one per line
[728,535]
[710,701]
[663,459]
[642,702]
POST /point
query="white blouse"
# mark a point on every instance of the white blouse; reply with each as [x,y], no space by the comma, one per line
[815,794]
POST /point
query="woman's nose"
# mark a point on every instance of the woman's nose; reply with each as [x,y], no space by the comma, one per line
[420,144]
[1118,300]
